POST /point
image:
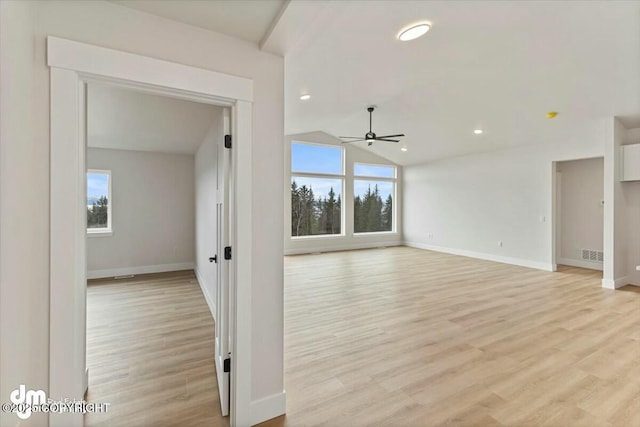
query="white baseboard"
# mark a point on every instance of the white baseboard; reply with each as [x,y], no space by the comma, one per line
[268,407]
[207,297]
[581,263]
[339,247]
[487,257]
[615,283]
[144,269]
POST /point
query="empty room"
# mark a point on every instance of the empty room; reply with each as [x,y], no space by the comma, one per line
[319,213]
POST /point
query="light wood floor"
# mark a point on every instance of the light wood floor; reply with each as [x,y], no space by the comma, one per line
[405,337]
[150,352]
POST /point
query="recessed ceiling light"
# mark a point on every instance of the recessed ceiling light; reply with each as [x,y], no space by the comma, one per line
[414,32]
[403,149]
[305,97]
[477,131]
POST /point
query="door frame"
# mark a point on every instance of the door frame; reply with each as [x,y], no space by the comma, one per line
[73,64]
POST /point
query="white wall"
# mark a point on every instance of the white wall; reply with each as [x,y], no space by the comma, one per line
[581,213]
[206,177]
[467,205]
[24,213]
[615,213]
[349,240]
[152,207]
[24,209]
[631,197]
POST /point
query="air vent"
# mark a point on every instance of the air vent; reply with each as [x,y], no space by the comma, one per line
[593,256]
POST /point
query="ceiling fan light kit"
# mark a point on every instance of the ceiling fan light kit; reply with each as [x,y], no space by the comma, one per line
[370,136]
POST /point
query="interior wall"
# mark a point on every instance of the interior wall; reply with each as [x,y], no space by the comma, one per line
[152,207]
[206,177]
[349,240]
[494,205]
[24,215]
[24,219]
[631,197]
[581,211]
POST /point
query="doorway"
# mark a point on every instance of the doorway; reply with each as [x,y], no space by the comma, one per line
[72,66]
[579,213]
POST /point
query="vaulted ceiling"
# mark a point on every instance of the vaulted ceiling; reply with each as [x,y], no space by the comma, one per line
[499,66]
[126,119]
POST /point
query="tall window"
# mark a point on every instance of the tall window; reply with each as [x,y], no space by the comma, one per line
[374,193]
[317,180]
[98,201]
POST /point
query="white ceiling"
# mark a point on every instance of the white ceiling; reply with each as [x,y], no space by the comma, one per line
[498,66]
[248,20]
[495,65]
[124,119]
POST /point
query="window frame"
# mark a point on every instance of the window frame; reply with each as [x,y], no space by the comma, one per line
[108,231]
[393,180]
[342,177]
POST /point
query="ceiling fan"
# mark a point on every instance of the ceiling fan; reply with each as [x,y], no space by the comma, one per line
[371,136]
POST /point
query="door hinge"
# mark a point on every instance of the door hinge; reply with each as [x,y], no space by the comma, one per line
[227,141]
[227,252]
[226,366]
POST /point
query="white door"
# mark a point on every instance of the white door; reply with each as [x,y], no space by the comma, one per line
[223,217]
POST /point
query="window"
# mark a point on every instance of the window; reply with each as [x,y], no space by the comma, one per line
[373,193]
[317,182]
[98,201]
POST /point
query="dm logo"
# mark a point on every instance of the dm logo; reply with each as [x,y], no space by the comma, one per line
[25,399]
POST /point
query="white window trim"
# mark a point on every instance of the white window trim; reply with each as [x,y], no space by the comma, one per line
[108,231]
[342,177]
[394,180]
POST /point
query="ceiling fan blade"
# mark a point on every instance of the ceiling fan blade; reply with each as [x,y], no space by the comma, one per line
[354,140]
[391,136]
[350,137]
[387,140]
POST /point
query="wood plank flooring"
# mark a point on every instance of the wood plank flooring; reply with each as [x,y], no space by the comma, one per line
[150,352]
[406,337]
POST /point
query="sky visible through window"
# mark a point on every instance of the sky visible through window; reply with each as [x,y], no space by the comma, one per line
[379,171]
[97,186]
[316,159]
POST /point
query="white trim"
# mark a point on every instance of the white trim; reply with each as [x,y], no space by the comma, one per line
[99,232]
[615,283]
[143,269]
[268,407]
[338,247]
[99,61]
[480,255]
[72,64]
[580,263]
[203,288]
[241,273]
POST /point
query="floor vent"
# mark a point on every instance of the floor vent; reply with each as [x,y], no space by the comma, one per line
[593,256]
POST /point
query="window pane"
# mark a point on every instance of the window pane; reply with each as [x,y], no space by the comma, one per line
[361,169]
[373,206]
[316,158]
[97,200]
[316,205]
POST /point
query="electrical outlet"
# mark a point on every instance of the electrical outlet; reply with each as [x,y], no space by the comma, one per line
[430,236]
[500,243]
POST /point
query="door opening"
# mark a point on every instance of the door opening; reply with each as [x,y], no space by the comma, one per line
[579,213]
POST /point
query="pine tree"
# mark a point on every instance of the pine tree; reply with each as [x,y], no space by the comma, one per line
[387,214]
